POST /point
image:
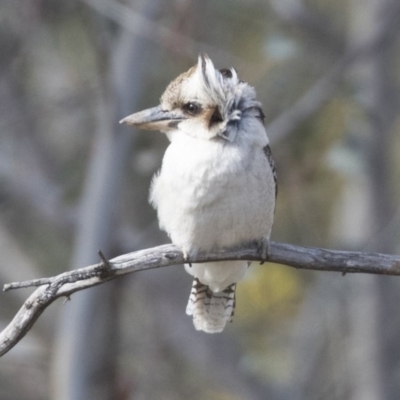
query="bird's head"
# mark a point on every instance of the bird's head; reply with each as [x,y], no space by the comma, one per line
[204,103]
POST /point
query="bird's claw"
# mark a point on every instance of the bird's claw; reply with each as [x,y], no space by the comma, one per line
[264,248]
[186,259]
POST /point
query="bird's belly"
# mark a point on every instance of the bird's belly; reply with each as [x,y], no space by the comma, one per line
[230,220]
[206,207]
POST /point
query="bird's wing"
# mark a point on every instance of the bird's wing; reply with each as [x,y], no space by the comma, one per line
[268,153]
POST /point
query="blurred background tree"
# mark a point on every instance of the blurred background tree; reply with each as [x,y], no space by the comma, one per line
[72,180]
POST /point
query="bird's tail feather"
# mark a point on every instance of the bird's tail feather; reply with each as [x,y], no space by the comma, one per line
[211,310]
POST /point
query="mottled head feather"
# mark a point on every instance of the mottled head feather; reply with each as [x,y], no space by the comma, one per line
[223,98]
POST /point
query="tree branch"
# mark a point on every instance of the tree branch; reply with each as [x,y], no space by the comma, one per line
[163,256]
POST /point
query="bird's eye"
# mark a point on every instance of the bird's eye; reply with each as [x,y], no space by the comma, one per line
[192,108]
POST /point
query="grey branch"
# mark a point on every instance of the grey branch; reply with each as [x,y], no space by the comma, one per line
[65,284]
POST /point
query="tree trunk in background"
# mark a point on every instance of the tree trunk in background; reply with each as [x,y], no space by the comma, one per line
[369,367]
[85,354]
[372,22]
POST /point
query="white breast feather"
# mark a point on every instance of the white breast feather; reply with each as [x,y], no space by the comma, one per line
[213,195]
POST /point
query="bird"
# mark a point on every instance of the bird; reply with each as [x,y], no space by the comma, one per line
[217,185]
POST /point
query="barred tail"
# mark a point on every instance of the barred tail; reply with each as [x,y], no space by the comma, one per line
[211,311]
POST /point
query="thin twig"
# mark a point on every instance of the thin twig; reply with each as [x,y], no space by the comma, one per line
[65,284]
[321,91]
[139,25]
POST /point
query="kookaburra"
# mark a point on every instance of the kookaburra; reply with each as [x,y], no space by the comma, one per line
[217,185]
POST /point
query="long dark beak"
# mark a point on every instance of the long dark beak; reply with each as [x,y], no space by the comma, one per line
[154,119]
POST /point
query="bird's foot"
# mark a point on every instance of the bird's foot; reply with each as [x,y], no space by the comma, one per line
[186,259]
[263,249]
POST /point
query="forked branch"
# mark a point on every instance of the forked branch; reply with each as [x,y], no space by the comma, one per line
[65,284]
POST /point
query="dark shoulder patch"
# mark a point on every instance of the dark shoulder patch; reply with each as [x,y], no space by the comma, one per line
[259,114]
[254,111]
[268,154]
